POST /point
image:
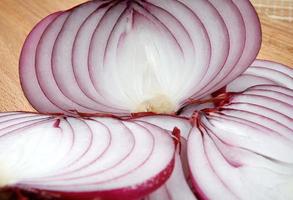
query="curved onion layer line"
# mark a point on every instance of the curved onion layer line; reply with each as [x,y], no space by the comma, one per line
[268,112]
[275,104]
[197,61]
[201,170]
[96,164]
[43,65]
[98,176]
[221,165]
[98,48]
[19,127]
[266,129]
[237,36]
[252,43]
[15,118]
[259,119]
[245,81]
[271,94]
[62,55]
[218,36]
[262,72]
[27,68]
[275,88]
[274,66]
[80,51]
[282,79]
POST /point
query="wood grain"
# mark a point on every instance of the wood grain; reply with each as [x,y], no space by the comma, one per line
[17,18]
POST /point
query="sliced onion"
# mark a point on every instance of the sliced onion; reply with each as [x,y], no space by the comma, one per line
[84,158]
[125,68]
[244,147]
[120,57]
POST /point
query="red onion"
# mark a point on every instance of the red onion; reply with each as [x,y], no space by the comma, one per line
[135,56]
[84,158]
[244,147]
[165,105]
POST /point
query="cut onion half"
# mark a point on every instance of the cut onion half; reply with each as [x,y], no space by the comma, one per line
[122,57]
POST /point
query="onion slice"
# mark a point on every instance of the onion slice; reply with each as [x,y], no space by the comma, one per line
[84,158]
[244,147]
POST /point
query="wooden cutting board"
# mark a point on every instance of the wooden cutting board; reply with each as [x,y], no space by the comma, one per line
[17,18]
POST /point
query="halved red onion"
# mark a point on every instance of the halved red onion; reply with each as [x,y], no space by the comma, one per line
[135,56]
[244,148]
[83,158]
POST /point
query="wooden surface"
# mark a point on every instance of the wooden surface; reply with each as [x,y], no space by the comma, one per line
[17,17]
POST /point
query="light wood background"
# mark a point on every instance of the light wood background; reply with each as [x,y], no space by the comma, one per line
[17,18]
